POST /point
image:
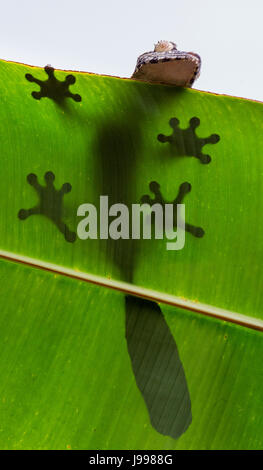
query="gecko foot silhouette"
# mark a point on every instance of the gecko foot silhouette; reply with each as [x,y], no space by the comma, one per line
[50,203]
[184,189]
[185,142]
[52,87]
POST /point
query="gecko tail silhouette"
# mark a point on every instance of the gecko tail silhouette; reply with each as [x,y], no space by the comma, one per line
[157,367]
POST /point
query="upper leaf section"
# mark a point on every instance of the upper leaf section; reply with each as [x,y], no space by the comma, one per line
[116,141]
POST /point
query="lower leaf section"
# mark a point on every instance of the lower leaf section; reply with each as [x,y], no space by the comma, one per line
[68,380]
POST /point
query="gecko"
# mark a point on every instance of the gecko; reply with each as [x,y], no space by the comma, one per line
[156,364]
[166,64]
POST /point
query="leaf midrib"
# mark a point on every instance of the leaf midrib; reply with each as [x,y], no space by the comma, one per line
[130,289]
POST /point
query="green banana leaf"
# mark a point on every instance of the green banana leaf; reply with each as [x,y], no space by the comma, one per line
[88,367]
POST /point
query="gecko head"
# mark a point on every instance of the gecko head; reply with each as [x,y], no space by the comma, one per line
[164,46]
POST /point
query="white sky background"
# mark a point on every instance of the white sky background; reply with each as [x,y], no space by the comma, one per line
[106,36]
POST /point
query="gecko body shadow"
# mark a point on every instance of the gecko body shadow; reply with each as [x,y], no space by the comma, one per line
[157,367]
